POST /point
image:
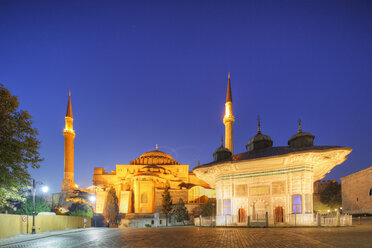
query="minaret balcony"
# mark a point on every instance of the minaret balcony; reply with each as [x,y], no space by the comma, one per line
[68,132]
[228,118]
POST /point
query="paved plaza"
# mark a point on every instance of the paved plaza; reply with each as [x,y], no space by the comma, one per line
[356,236]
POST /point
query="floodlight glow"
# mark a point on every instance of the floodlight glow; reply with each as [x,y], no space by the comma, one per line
[45,189]
[92,198]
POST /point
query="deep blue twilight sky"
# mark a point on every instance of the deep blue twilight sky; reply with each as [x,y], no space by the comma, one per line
[146,73]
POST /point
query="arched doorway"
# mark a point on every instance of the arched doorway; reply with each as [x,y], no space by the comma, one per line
[241,215]
[259,209]
[278,215]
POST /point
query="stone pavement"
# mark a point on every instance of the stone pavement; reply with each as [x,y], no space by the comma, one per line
[358,236]
[29,237]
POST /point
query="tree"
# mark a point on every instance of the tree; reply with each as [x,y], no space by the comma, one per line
[208,209]
[111,209]
[331,195]
[80,209]
[18,149]
[26,207]
[166,203]
[180,212]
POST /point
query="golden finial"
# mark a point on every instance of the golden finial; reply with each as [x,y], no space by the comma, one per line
[156,147]
[229,75]
[299,126]
[258,124]
[69,92]
[198,162]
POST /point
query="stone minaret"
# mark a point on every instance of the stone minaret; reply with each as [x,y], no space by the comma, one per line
[229,119]
[68,181]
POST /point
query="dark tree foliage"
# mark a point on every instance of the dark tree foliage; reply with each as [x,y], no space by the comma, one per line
[80,209]
[166,203]
[26,207]
[18,149]
[111,209]
[180,211]
[208,209]
[332,195]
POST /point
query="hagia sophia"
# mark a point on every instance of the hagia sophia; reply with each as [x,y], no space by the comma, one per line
[265,180]
[138,185]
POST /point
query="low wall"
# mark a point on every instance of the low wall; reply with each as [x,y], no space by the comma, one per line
[204,221]
[13,225]
[289,219]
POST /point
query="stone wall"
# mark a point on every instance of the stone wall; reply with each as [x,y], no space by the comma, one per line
[13,225]
[357,192]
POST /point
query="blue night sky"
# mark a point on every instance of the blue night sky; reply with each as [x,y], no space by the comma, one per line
[146,73]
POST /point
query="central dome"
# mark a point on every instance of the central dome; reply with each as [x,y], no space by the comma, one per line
[154,158]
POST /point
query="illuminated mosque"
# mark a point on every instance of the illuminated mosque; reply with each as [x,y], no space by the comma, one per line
[263,181]
[139,184]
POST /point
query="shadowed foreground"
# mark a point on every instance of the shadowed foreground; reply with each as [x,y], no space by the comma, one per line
[207,237]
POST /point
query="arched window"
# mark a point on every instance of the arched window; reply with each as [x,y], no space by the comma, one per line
[296,204]
[226,207]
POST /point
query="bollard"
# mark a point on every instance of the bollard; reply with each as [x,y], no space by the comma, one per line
[359,220]
[267,219]
[319,220]
[295,219]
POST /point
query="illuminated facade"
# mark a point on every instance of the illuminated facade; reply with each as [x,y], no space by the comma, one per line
[266,179]
[139,185]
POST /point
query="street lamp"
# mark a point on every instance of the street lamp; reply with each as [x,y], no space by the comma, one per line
[92,198]
[44,189]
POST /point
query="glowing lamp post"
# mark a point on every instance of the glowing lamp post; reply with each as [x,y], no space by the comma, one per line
[92,199]
[44,189]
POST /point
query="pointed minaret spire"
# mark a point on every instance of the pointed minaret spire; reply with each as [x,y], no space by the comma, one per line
[221,141]
[229,119]
[228,93]
[69,108]
[299,126]
[258,125]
